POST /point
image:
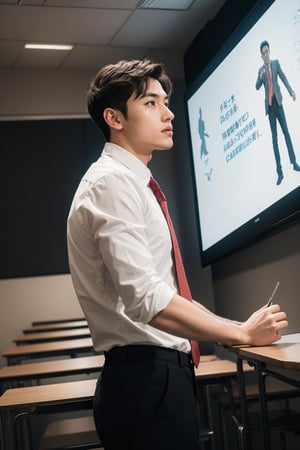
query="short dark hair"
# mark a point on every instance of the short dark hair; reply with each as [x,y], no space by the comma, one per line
[114,84]
[263,44]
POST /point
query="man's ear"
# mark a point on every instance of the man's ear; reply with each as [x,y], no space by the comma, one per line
[112,118]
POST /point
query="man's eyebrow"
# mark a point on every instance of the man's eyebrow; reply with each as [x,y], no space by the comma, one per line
[152,94]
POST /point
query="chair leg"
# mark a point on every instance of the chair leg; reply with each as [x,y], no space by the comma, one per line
[21,431]
[240,433]
[205,438]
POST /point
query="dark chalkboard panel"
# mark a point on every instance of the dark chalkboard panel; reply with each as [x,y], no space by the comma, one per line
[41,163]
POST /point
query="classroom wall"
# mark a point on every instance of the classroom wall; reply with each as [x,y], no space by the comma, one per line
[23,300]
[244,281]
[43,93]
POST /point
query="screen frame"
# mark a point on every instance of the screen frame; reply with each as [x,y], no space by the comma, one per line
[280,213]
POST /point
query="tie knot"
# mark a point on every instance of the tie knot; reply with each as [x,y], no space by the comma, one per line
[160,196]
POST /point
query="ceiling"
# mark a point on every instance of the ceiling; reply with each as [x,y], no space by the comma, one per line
[102,31]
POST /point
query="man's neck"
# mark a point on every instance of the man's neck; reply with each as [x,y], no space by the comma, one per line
[145,157]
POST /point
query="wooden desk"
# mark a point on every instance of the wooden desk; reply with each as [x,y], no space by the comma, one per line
[282,354]
[48,336]
[75,394]
[208,358]
[71,348]
[49,369]
[48,394]
[86,364]
[77,390]
[280,360]
[56,326]
[216,369]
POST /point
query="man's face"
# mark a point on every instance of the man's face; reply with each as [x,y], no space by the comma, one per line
[265,54]
[148,124]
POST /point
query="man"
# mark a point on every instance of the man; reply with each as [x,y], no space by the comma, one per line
[268,76]
[120,255]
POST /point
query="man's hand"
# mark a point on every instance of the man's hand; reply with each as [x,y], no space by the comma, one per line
[263,326]
[262,72]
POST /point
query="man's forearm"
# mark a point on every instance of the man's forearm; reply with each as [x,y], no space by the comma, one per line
[199,305]
[193,321]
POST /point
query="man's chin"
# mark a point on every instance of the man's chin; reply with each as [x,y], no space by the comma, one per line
[165,147]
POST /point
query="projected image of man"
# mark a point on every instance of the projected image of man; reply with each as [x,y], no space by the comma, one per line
[268,75]
[203,135]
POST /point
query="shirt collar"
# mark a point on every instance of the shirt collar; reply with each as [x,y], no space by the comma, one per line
[129,160]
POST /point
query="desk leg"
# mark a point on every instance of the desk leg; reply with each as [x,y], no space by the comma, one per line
[245,436]
[211,419]
[263,404]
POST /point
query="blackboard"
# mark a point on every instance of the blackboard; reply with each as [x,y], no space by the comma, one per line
[41,163]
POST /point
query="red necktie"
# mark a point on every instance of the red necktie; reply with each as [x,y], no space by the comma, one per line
[270,85]
[183,286]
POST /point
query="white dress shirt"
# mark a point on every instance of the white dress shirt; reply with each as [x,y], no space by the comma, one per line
[120,253]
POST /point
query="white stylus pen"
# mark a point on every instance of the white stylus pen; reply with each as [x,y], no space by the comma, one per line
[273,293]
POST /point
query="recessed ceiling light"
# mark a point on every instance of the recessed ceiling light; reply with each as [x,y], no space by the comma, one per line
[48,47]
[166,4]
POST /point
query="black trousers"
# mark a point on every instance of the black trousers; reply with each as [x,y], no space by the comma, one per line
[275,113]
[145,400]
